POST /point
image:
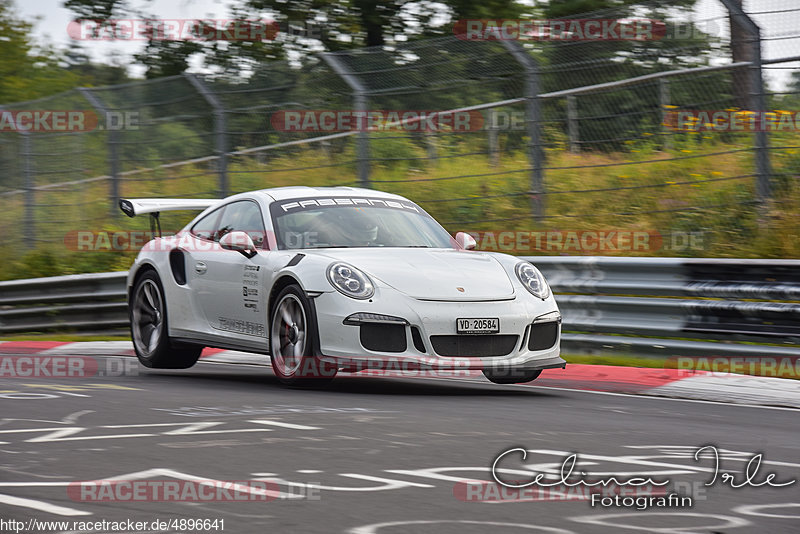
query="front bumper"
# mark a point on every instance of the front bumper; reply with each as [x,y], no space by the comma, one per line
[342,345]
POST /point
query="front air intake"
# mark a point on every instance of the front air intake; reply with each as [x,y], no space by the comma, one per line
[474,346]
[383,337]
[543,335]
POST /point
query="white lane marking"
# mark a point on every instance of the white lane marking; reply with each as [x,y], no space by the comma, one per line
[60,435]
[628,395]
[40,506]
[72,418]
[100,346]
[435,473]
[27,396]
[385,483]
[375,527]
[192,429]
[730,522]
[160,472]
[285,425]
[754,509]
[186,429]
[197,428]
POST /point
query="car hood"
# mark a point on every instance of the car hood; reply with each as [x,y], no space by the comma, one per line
[432,274]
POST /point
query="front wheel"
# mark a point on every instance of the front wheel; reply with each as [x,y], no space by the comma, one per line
[511,376]
[148,317]
[293,341]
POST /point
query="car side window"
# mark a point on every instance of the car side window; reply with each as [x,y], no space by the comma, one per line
[243,216]
[206,227]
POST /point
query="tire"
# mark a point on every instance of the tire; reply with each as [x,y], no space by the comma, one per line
[293,341]
[512,376]
[148,317]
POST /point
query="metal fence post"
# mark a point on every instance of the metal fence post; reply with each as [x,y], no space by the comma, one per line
[113,148]
[493,139]
[360,104]
[220,131]
[664,102]
[534,120]
[30,200]
[572,124]
[757,103]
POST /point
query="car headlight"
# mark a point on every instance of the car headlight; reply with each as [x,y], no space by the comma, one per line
[350,281]
[533,280]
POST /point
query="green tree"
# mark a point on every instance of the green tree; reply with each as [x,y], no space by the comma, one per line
[307,26]
[28,70]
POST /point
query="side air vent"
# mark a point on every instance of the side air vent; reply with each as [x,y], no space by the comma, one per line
[416,337]
[177,264]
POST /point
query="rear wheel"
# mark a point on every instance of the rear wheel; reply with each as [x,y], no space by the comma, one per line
[148,318]
[293,341]
[511,376]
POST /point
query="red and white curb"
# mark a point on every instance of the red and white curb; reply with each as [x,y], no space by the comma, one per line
[673,383]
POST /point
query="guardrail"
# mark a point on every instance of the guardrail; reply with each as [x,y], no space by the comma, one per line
[79,302]
[658,307]
[677,307]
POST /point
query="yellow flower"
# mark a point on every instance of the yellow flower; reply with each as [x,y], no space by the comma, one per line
[686,151]
[716,173]
[670,107]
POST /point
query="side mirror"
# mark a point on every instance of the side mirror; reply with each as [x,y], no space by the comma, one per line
[238,241]
[465,241]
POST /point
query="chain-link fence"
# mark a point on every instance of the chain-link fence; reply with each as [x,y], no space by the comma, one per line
[536,145]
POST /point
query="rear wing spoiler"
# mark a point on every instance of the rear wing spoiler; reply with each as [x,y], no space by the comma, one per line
[138,206]
[154,206]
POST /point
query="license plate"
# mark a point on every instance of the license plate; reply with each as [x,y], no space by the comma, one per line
[477,326]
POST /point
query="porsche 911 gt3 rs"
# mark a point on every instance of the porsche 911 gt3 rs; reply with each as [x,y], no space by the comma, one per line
[335,278]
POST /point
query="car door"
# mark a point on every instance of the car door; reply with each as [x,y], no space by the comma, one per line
[228,286]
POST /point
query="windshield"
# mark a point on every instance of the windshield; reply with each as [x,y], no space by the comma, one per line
[354,222]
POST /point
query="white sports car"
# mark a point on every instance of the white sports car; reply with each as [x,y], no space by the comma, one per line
[335,278]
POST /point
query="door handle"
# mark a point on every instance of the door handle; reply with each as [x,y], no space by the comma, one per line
[200,267]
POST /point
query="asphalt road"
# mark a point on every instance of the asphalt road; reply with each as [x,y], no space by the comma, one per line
[377,455]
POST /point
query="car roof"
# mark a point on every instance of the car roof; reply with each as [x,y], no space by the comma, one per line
[290,192]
